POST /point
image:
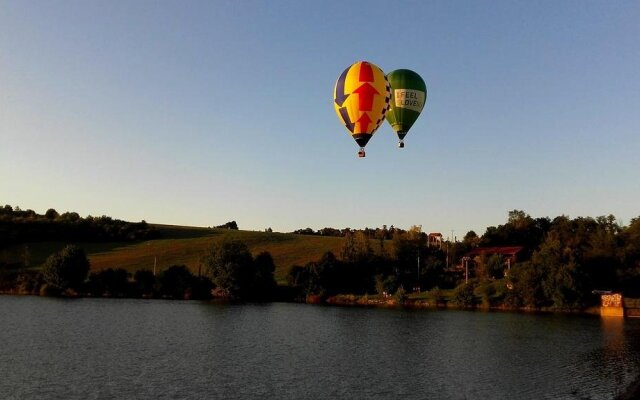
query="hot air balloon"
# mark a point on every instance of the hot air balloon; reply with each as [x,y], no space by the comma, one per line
[361,98]
[408,96]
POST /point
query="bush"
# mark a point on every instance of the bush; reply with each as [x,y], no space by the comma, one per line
[400,296]
[144,282]
[67,268]
[463,295]
[109,282]
[264,284]
[29,283]
[176,282]
[485,291]
[230,265]
[438,296]
[48,290]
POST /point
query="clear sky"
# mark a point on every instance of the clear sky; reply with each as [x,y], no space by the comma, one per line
[202,112]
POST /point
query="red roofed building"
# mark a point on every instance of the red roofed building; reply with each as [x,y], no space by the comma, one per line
[510,254]
[434,240]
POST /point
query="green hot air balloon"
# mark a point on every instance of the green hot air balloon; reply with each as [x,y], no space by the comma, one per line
[408,97]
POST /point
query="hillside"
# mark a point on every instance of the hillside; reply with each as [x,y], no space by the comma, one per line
[185,245]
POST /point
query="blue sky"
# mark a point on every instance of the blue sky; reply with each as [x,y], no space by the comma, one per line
[199,113]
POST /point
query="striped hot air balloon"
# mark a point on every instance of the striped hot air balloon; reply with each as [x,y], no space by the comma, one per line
[408,97]
[361,98]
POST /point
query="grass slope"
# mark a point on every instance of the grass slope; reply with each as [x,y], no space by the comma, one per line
[186,245]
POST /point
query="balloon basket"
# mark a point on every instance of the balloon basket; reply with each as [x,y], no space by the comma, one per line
[361,153]
[401,144]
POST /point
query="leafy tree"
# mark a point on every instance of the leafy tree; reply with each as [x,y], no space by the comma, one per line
[527,281]
[230,266]
[407,249]
[176,282]
[471,239]
[70,216]
[66,269]
[329,232]
[601,260]
[229,225]
[356,248]
[264,284]
[432,268]
[437,295]
[485,290]
[112,282]
[388,284]
[520,230]
[144,282]
[28,282]
[495,266]
[298,277]
[629,272]
[463,295]
[564,288]
[326,277]
[305,231]
[51,214]
[400,296]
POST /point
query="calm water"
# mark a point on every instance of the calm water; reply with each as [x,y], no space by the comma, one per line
[103,349]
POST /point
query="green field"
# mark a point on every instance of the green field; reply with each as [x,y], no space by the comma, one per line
[185,246]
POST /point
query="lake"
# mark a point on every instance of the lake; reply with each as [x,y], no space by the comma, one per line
[128,348]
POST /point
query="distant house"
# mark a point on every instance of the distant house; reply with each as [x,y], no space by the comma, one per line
[510,254]
[434,239]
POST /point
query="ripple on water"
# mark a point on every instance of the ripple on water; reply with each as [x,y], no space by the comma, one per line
[104,348]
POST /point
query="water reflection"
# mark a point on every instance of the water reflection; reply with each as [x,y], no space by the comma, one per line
[616,359]
[97,348]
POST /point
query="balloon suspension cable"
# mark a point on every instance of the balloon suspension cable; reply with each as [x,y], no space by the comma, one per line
[361,153]
[401,144]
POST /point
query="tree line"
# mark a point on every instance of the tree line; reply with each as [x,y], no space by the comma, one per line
[564,264]
[372,233]
[20,226]
[231,272]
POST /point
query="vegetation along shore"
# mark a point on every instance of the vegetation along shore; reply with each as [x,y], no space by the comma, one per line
[559,264]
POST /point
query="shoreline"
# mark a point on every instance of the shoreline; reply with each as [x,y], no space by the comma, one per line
[359,301]
[349,301]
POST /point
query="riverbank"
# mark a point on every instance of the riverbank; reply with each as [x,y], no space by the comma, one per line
[351,353]
[286,295]
[390,302]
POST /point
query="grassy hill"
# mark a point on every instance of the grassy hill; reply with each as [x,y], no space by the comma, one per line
[185,246]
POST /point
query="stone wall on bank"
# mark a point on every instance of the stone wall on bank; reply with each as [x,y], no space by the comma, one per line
[632,307]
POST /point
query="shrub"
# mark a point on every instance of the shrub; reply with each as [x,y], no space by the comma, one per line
[463,295]
[67,268]
[400,296]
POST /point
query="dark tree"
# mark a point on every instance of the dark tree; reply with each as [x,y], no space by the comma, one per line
[526,280]
[144,282]
[66,269]
[109,282]
[229,264]
[629,274]
[264,284]
[176,282]
[463,295]
[229,225]
[51,214]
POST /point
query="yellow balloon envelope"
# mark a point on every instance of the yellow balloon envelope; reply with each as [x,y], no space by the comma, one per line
[361,98]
